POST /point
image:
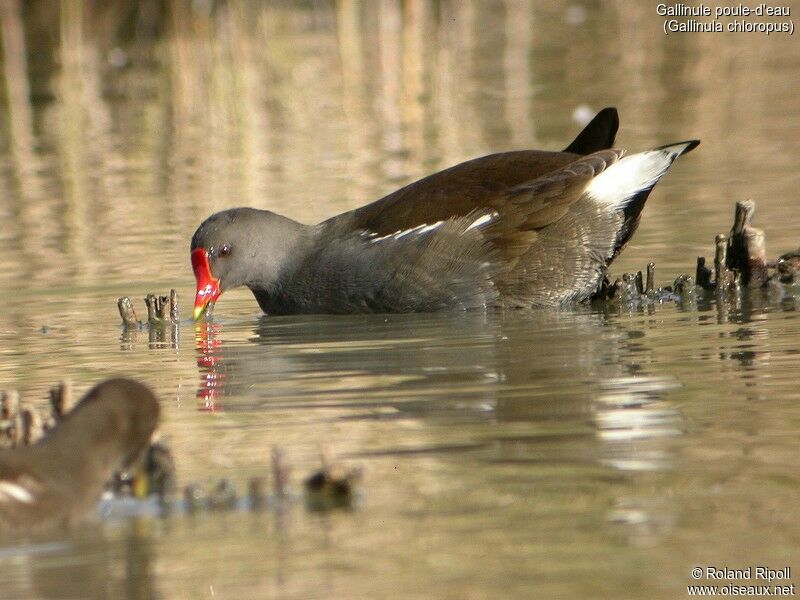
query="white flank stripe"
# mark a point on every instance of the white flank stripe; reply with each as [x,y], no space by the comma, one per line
[482,220]
[13,491]
[428,228]
[418,230]
[631,174]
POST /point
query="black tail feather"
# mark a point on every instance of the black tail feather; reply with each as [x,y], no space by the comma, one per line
[631,214]
[692,145]
[599,134]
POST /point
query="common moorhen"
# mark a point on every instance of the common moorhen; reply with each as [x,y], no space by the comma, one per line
[61,477]
[515,229]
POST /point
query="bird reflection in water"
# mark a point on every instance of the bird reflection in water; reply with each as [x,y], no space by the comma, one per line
[209,360]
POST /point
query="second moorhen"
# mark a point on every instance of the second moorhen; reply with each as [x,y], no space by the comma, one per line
[61,477]
[515,229]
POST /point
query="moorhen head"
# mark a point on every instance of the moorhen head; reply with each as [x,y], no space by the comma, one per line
[515,229]
[61,477]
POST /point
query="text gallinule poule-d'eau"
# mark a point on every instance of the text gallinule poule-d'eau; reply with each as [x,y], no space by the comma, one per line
[515,229]
[61,477]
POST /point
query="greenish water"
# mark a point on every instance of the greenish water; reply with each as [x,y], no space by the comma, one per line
[574,454]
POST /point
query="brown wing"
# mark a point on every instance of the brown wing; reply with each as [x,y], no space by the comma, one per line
[476,185]
[543,201]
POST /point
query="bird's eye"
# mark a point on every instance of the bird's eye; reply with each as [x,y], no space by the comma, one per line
[224,251]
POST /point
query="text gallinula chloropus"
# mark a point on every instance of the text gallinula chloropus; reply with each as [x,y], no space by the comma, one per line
[515,229]
[61,477]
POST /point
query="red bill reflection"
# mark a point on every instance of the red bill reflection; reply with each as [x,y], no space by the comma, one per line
[209,359]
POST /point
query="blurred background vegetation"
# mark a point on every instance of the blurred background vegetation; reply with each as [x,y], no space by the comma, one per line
[124,123]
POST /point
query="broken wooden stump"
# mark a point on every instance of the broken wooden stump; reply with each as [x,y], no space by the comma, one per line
[17,433]
[32,426]
[651,279]
[11,419]
[639,282]
[723,276]
[747,252]
[163,310]
[127,312]
[150,303]
[740,263]
[155,309]
[9,404]
[160,310]
[61,400]
[19,425]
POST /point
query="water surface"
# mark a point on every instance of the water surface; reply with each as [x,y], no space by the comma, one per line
[576,453]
